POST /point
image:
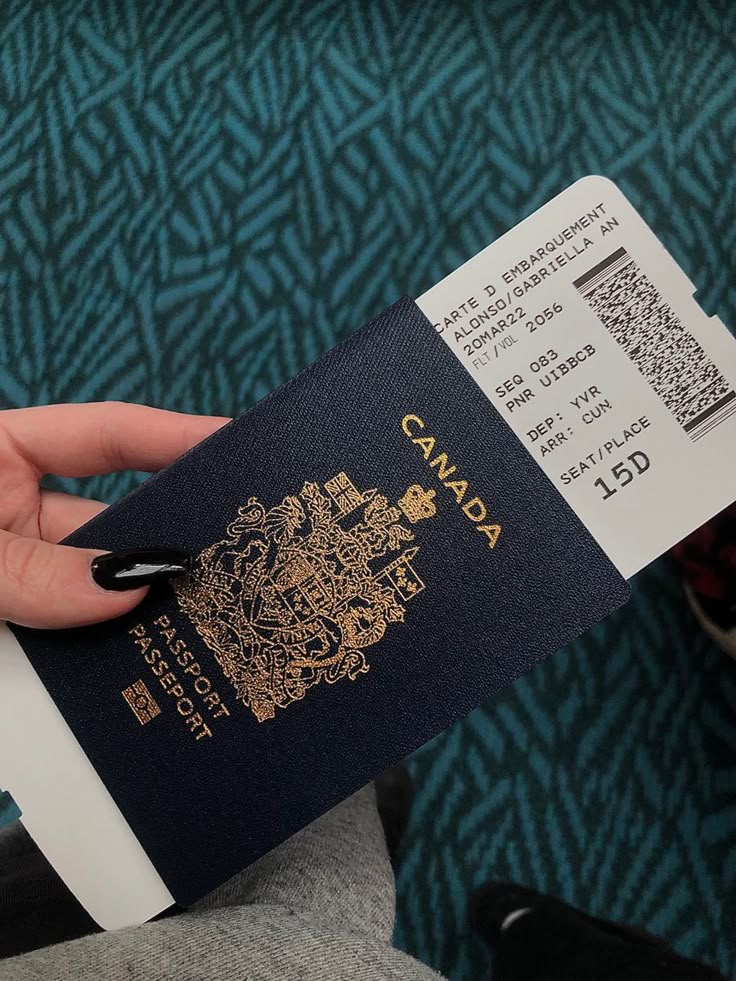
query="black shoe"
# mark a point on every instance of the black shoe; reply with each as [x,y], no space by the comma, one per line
[394,797]
[492,903]
[561,942]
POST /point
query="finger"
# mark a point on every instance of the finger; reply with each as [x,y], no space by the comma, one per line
[103,437]
[61,514]
[45,585]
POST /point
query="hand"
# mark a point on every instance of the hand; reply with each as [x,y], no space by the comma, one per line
[43,584]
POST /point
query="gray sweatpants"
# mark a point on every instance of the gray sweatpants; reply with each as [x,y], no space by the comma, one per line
[320,906]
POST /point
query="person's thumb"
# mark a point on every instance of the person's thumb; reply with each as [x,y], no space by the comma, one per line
[45,585]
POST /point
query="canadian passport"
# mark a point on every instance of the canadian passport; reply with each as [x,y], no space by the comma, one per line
[377,553]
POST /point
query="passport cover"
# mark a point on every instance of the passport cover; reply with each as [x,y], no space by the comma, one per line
[377,553]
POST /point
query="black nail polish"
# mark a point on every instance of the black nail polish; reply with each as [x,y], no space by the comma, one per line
[139,567]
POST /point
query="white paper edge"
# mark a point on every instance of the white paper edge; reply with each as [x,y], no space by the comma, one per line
[66,807]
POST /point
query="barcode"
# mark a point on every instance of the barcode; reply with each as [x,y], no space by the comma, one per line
[638,318]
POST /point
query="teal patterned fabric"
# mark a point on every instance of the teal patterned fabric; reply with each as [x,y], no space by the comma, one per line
[199,198]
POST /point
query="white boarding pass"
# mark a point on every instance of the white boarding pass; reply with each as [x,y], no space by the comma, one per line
[584,332]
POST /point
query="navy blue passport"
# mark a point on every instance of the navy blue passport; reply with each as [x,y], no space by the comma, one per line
[377,554]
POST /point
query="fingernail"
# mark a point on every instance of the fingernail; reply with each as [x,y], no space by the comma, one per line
[139,567]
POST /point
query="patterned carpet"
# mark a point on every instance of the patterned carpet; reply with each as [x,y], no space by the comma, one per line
[198,198]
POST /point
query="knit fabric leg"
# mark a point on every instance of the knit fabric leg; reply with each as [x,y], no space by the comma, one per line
[319,907]
[337,867]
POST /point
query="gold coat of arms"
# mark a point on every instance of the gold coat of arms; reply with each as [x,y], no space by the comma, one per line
[294,595]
